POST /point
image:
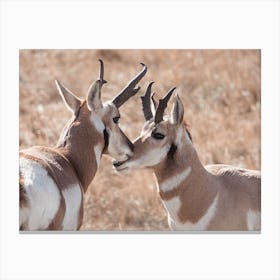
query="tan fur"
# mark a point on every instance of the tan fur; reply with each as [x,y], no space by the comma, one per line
[73,160]
[236,190]
[92,131]
[82,137]
[194,189]
[60,170]
[76,159]
[22,195]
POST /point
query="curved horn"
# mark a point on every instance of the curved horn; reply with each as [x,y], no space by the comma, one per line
[146,102]
[97,85]
[94,91]
[101,74]
[130,89]
[162,105]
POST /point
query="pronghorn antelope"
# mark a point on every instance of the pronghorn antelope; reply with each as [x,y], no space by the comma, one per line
[54,180]
[196,197]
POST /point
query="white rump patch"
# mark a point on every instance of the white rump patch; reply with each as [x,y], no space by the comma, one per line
[73,200]
[253,220]
[175,181]
[202,224]
[43,196]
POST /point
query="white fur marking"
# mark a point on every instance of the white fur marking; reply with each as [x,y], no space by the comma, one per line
[152,158]
[174,205]
[73,198]
[43,196]
[97,122]
[98,152]
[174,181]
[253,220]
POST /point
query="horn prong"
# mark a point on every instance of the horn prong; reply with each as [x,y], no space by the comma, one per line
[95,87]
[101,74]
[154,101]
[162,106]
[146,102]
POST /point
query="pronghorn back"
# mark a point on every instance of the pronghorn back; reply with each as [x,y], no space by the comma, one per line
[239,193]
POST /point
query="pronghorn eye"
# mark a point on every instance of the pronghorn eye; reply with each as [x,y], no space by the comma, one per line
[158,136]
[116,119]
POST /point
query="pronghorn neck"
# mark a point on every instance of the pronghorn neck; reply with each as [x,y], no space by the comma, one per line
[181,157]
[83,145]
[183,176]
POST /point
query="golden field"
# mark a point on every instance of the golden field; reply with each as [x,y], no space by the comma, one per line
[220,90]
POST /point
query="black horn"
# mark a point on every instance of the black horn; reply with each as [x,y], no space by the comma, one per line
[95,88]
[162,105]
[146,103]
[130,89]
[101,74]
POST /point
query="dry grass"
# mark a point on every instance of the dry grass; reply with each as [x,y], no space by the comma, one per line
[221,93]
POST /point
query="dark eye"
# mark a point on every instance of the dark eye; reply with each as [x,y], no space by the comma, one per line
[158,136]
[116,119]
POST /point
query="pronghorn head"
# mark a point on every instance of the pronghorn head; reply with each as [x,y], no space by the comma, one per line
[160,136]
[101,117]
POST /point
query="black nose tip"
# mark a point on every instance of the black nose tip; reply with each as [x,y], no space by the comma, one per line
[117,163]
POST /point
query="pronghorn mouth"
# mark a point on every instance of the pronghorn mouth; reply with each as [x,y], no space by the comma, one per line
[118,165]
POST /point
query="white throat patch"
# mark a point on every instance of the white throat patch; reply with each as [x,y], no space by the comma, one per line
[174,181]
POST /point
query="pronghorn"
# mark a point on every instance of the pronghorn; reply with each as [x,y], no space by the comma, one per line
[54,180]
[196,197]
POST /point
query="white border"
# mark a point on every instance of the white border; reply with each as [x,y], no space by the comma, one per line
[157,24]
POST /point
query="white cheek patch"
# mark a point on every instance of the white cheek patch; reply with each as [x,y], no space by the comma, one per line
[253,220]
[97,122]
[152,158]
[73,200]
[174,181]
[42,194]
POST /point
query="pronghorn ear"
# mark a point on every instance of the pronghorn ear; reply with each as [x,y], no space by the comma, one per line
[93,97]
[71,101]
[177,111]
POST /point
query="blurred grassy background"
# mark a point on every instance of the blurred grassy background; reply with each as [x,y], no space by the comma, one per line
[219,88]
